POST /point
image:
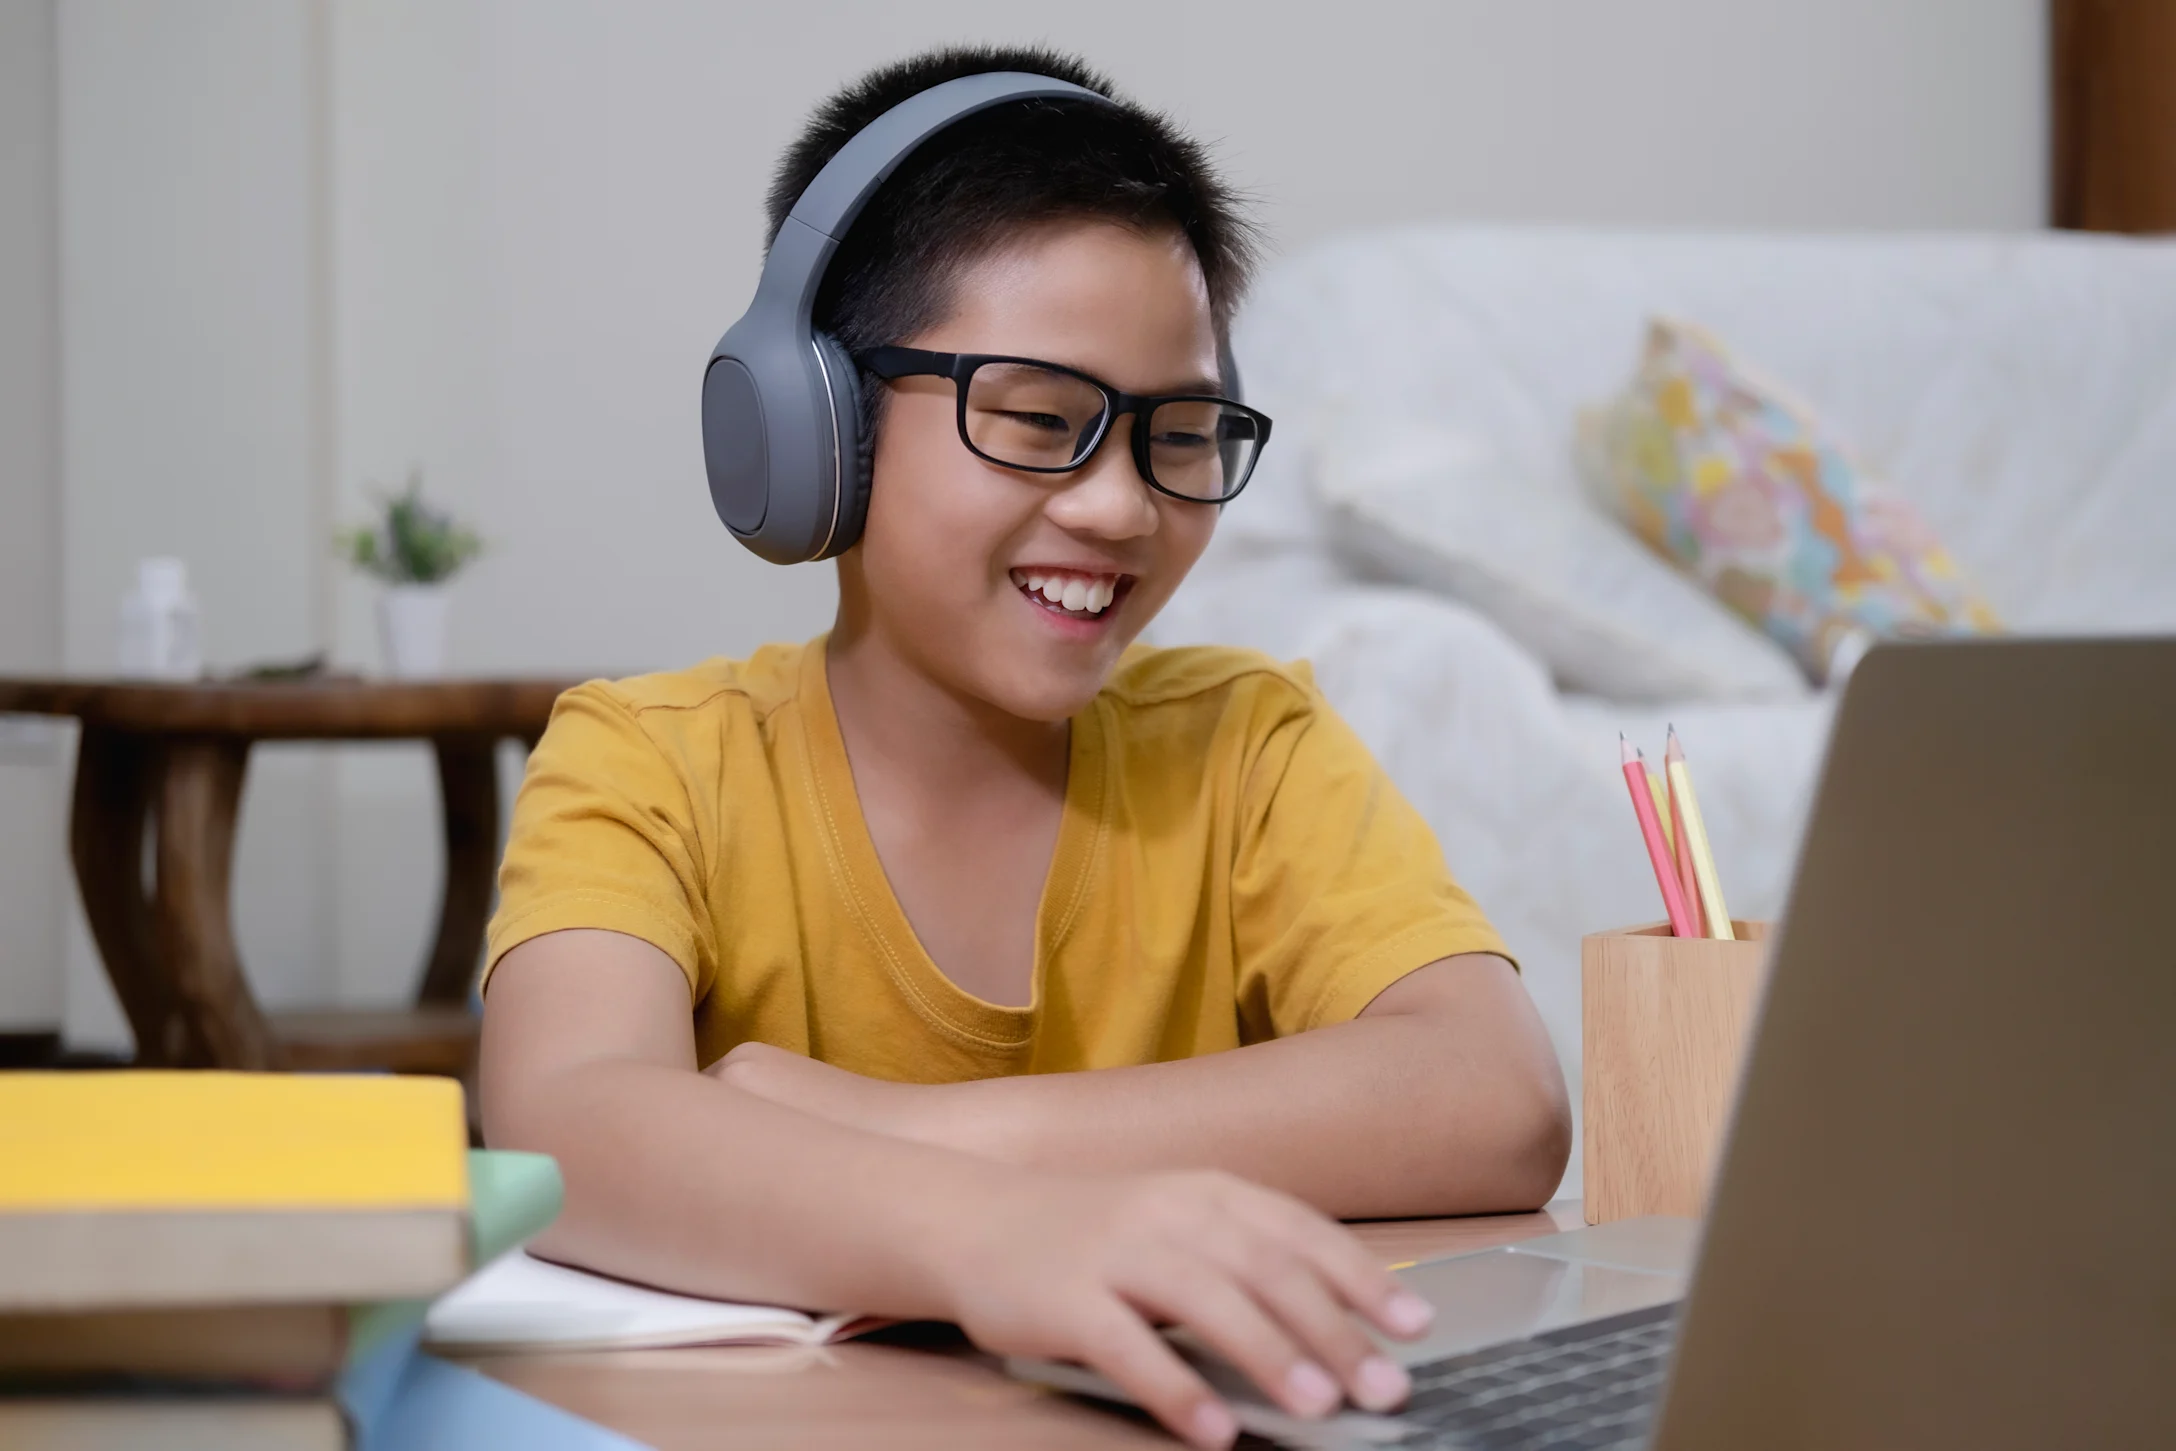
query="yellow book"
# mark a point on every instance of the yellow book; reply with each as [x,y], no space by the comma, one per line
[161,1188]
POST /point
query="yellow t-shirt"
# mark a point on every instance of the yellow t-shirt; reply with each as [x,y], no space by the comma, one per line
[1231,866]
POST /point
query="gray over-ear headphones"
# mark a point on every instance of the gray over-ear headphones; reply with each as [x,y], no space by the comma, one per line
[781,401]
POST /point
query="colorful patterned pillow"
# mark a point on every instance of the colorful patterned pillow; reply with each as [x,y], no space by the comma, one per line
[1726,476]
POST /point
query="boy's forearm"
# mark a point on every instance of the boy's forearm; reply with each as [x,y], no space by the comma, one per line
[1397,1114]
[795,1211]
[1357,1120]
[1443,1097]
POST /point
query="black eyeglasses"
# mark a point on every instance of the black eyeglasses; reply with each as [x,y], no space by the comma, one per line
[1046,419]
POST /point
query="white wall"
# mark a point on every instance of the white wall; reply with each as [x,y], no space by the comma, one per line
[33,781]
[191,416]
[530,219]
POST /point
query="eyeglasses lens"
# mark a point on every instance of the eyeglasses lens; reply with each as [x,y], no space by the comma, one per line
[1031,417]
[1201,448]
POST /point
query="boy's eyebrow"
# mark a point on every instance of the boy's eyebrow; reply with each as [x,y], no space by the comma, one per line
[1201,385]
[1184,388]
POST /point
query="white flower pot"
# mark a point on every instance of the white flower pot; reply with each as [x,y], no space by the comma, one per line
[412,630]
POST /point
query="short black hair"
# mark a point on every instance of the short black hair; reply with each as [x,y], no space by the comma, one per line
[965,190]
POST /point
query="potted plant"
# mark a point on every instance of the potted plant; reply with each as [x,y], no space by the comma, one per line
[413,549]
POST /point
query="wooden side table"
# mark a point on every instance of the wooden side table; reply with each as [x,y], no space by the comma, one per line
[170,758]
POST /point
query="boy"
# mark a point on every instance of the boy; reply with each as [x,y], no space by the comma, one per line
[962,964]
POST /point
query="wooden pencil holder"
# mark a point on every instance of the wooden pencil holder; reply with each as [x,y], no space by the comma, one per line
[1666,1021]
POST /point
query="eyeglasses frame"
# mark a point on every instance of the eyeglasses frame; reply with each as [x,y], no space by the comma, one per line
[892,362]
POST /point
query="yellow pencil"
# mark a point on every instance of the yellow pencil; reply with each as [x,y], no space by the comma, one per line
[1696,837]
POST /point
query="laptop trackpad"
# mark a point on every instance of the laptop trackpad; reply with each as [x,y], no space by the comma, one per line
[1502,1294]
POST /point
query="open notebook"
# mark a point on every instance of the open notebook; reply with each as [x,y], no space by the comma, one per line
[518,1302]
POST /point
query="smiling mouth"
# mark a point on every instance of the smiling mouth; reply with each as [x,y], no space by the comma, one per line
[1074,594]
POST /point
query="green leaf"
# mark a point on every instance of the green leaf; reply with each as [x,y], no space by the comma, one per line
[413,542]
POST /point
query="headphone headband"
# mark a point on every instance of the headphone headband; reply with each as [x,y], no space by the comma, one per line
[858,168]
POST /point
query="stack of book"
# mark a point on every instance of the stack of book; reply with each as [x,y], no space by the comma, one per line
[237,1261]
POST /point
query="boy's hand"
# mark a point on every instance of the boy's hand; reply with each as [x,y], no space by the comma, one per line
[1082,1267]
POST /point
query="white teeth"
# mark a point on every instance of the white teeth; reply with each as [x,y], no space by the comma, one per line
[1082,595]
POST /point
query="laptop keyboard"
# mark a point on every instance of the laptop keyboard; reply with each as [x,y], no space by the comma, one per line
[1591,1387]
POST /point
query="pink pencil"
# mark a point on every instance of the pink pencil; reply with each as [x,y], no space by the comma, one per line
[1658,852]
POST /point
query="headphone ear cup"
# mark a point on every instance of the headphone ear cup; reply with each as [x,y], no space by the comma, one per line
[856,446]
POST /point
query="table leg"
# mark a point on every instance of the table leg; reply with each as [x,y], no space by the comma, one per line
[117,775]
[198,800]
[468,783]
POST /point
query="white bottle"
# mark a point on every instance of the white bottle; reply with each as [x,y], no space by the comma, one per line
[160,639]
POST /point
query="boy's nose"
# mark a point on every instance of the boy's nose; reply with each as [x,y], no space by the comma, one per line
[1107,496]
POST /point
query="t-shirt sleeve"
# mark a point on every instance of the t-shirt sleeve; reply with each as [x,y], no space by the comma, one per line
[603,836]
[1339,886]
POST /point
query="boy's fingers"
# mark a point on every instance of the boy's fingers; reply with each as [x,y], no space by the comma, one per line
[1231,1321]
[1356,1275]
[1293,1291]
[1120,1344]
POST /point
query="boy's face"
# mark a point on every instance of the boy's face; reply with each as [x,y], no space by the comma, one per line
[943,567]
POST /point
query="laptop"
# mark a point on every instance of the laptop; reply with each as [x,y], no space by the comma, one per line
[1945,1214]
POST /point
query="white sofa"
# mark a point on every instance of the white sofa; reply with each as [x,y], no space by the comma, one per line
[2020,390]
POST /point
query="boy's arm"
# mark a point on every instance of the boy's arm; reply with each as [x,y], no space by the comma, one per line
[1442,1097]
[676,1179]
